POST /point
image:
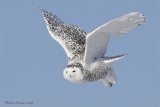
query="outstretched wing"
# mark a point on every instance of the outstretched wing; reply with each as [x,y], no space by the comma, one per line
[96,41]
[70,37]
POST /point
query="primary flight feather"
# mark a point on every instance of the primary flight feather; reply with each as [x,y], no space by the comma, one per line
[86,60]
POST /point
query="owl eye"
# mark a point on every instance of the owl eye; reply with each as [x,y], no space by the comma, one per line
[66,71]
[74,71]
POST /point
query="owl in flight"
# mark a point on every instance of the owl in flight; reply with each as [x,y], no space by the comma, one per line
[86,60]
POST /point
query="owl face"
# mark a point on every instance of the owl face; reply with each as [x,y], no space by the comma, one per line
[73,74]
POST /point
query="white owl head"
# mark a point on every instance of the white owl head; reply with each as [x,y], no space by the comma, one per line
[73,73]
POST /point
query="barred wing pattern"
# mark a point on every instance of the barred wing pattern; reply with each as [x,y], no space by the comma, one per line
[70,37]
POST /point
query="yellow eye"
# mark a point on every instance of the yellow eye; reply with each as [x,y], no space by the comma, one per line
[74,71]
[66,71]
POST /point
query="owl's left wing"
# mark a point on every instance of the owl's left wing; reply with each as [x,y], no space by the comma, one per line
[96,41]
[70,37]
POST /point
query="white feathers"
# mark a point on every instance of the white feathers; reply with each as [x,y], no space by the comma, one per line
[106,82]
[96,44]
[111,60]
[96,41]
[73,74]
[111,77]
[122,25]
[87,62]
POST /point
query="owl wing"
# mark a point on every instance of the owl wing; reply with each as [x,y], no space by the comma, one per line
[96,41]
[70,37]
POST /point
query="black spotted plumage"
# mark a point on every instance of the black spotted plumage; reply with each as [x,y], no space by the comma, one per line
[99,72]
[71,37]
[87,62]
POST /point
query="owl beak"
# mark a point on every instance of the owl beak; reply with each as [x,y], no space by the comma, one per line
[70,76]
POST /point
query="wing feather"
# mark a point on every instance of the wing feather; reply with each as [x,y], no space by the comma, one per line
[96,41]
[70,37]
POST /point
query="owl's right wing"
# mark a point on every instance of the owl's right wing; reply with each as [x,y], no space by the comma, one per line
[96,41]
[70,37]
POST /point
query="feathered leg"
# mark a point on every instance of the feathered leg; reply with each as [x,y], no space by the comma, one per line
[106,82]
[111,77]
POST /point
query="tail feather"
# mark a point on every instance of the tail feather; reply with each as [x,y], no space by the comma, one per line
[110,60]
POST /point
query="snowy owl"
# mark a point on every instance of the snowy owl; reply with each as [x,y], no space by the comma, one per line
[86,60]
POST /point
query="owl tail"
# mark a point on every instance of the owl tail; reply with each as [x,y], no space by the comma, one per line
[111,60]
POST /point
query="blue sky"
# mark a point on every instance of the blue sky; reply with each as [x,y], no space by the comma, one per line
[31,62]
